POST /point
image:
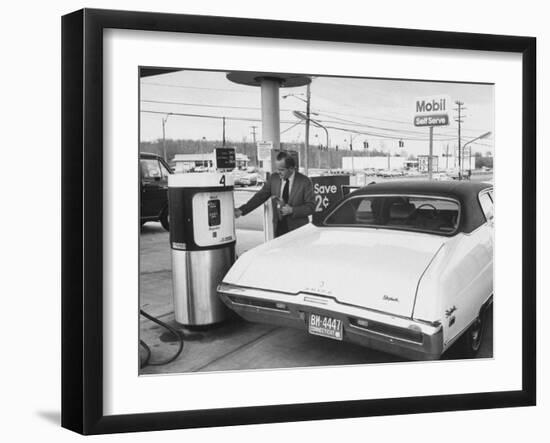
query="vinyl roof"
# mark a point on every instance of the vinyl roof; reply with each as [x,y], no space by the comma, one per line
[455,188]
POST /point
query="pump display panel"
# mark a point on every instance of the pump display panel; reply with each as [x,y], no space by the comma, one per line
[213,218]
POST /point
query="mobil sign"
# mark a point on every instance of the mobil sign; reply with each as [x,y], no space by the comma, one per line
[432,110]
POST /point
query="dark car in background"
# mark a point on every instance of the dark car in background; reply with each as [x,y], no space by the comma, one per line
[154,172]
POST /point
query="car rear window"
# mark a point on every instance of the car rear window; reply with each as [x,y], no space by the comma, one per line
[425,214]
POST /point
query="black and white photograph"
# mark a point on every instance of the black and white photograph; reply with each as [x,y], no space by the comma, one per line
[270,222]
[293,220]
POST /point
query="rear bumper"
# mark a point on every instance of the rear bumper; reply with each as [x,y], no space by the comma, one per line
[396,335]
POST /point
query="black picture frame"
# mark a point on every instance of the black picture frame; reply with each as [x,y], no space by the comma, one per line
[82,215]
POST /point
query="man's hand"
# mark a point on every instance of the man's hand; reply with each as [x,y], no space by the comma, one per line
[286,210]
[238,212]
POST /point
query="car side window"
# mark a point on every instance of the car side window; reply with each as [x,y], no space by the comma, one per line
[150,168]
[487,206]
[165,173]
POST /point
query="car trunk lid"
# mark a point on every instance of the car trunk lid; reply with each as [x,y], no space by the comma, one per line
[374,268]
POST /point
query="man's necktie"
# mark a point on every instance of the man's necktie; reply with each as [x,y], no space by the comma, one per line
[285,191]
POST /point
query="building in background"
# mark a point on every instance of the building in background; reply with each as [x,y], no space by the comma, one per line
[203,162]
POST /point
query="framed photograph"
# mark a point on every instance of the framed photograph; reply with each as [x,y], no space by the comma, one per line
[271,221]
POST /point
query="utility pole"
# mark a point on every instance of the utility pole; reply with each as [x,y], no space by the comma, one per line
[351,149]
[223,136]
[255,150]
[254,133]
[308,111]
[459,108]
[307,118]
[164,120]
[431,154]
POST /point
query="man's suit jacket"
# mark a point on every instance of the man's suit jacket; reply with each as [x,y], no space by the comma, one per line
[301,199]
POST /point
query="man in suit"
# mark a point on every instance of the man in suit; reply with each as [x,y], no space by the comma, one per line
[293,192]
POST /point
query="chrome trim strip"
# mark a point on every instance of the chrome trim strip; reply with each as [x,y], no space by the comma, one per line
[480,193]
[317,300]
[422,276]
[386,335]
[353,311]
[258,307]
[232,289]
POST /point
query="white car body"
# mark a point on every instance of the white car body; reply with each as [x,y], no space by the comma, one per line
[426,288]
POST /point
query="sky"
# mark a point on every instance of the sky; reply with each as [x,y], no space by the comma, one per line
[378,111]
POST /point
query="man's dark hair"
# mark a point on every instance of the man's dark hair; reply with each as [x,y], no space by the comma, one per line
[289,161]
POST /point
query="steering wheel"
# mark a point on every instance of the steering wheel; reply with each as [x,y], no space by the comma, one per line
[424,205]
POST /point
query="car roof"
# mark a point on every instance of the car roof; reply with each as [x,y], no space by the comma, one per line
[465,192]
[454,188]
[148,155]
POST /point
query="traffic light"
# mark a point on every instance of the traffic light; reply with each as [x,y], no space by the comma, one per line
[401,144]
[365,145]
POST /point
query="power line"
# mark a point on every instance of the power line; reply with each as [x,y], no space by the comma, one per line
[398,134]
[352,123]
[299,122]
[386,136]
[205,105]
[381,136]
[199,88]
[333,114]
[339,120]
[319,111]
[214,117]
[401,122]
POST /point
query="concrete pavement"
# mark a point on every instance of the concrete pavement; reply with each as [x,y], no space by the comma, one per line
[235,344]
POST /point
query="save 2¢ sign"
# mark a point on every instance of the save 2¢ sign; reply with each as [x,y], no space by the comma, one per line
[328,190]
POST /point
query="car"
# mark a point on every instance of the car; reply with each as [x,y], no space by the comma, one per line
[154,172]
[441,176]
[404,267]
[390,173]
[454,174]
[370,171]
[239,177]
[246,177]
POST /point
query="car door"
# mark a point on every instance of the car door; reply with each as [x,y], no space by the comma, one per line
[153,188]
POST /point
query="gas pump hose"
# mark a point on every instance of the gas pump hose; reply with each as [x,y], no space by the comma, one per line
[147,361]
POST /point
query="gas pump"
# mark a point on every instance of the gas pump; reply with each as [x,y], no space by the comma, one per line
[202,242]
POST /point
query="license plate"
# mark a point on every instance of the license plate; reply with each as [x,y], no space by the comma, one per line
[325,326]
